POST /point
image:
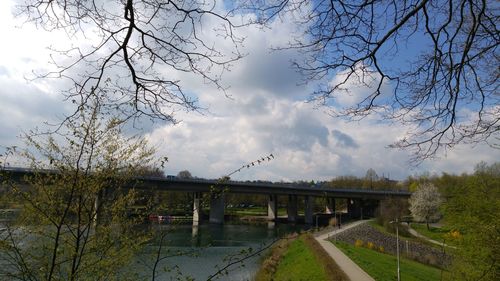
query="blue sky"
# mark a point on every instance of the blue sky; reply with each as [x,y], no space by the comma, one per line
[267,113]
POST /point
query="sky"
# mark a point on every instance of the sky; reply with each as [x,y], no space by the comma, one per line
[266,113]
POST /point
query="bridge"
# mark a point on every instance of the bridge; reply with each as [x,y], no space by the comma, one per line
[359,200]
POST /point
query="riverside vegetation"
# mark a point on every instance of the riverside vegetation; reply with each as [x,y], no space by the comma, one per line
[299,257]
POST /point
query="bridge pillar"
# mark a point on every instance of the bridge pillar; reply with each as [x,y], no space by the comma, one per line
[330,205]
[355,208]
[292,208]
[308,209]
[97,208]
[217,208]
[196,208]
[272,207]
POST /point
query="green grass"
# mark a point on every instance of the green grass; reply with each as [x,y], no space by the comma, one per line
[379,227]
[382,267]
[299,263]
[402,230]
[435,233]
[252,211]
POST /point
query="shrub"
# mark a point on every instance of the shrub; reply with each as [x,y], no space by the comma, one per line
[370,245]
[381,249]
[358,243]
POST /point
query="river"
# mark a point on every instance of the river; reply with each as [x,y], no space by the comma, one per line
[206,248]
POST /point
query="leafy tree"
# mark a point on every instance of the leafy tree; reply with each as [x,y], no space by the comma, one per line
[370,177]
[472,211]
[367,45]
[150,171]
[185,174]
[389,210]
[74,223]
[425,203]
[350,182]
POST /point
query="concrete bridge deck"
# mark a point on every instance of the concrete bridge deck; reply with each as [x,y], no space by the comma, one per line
[202,185]
[356,198]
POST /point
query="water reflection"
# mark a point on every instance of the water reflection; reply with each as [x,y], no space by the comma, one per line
[199,251]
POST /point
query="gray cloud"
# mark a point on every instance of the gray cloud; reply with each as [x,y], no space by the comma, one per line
[271,72]
[344,140]
[304,132]
[254,105]
[24,107]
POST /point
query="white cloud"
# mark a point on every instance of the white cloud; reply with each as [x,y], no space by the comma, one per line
[266,114]
[213,146]
[355,87]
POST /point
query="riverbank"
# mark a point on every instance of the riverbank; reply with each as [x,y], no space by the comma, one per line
[299,257]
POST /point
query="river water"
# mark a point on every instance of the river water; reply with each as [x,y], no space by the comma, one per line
[198,252]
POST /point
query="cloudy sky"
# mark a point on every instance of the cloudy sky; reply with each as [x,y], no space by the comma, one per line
[266,113]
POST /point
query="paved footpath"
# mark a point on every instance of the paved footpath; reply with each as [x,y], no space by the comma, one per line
[352,270]
[416,234]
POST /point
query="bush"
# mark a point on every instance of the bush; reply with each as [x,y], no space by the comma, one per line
[358,243]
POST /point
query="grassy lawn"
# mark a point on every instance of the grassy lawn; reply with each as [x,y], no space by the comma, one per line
[405,234]
[298,259]
[299,263]
[382,267]
[252,211]
[435,233]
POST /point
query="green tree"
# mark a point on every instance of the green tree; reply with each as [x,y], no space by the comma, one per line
[74,223]
[389,210]
[472,209]
[185,174]
[370,177]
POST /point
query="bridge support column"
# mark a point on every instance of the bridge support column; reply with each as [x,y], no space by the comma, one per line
[217,208]
[308,209]
[355,208]
[292,208]
[330,205]
[98,201]
[196,208]
[272,207]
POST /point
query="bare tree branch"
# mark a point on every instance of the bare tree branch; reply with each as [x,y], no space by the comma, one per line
[431,65]
[130,53]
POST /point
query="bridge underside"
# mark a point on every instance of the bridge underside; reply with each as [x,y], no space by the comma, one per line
[352,208]
[360,203]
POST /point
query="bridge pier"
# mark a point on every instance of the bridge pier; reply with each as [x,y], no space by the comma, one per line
[292,208]
[308,209]
[355,208]
[197,208]
[217,208]
[97,208]
[330,205]
[272,207]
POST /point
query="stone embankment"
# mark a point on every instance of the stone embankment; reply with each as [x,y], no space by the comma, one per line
[411,249]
